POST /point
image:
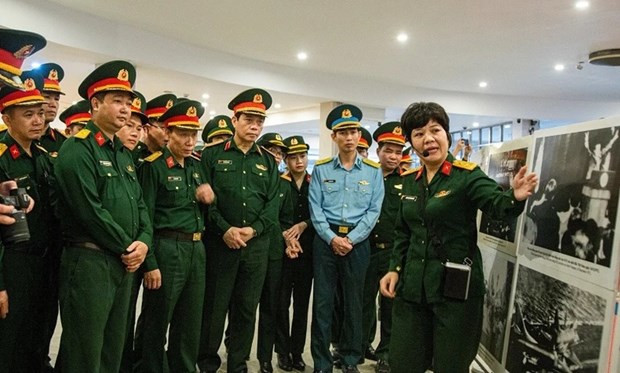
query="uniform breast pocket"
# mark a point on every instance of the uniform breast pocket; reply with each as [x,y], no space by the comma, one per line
[330,188]
[260,177]
[411,207]
[226,176]
[174,192]
[111,183]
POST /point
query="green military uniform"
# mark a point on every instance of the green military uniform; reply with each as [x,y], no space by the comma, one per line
[104,213]
[273,278]
[170,194]
[25,265]
[15,47]
[52,139]
[381,240]
[245,185]
[78,113]
[428,327]
[296,272]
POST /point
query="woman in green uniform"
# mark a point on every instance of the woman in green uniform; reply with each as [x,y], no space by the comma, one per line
[436,320]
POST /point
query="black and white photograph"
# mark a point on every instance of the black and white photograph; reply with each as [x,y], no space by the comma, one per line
[502,168]
[573,211]
[498,274]
[555,326]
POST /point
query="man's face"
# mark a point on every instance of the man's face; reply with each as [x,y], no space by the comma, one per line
[156,134]
[248,127]
[297,163]
[362,151]
[219,138]
[347,139]
[51,105]
[113,112]
[25,123]
[390,156]
[277,152]
[181,141]
[129,133]
[73,129]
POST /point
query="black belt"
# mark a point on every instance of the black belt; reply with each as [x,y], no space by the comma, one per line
[179,236]
[341,230]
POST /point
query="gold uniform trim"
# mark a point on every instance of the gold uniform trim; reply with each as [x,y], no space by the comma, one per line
[370,162]
[3,148]
[82,134]
[411,171]
[469,166]
[153,157]
[323,161]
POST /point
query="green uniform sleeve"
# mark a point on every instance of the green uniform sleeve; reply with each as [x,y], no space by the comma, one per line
[272,205]
[213,213]
[76,177]
[488,196]
[402,236]
[147,174]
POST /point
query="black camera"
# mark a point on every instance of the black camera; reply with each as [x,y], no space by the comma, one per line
[18,231]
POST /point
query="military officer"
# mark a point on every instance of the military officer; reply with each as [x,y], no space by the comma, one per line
[52,138]
[390,139]
[106,225]
[297,266]
[345,199]
[436,224]
[155,137]
[26,260]
[174,277]
[244,179]
[365,142]
[272,142]
[15,47]
[75,117]
[218,129]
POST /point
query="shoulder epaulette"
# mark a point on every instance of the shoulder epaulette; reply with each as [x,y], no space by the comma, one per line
[286,177]
[371,163]
[153,157]
[82,134]
[411,171]
[195,156]
[3,127]
[469,166]
[323,161]
[41,148]
[3,148]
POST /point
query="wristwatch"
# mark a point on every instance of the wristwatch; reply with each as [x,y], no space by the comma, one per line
[349,240]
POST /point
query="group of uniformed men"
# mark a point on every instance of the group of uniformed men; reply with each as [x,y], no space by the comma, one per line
[210,236]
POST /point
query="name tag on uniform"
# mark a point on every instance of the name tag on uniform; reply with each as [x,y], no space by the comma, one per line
[329,180]
[363,182]
[105,163]
[175,178]
[409,198]
[261,167]
[224,161]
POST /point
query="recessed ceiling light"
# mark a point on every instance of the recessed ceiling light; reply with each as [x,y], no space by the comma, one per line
[35,65]
[402,37]
[559,67]
[302,56]
[469,132]
[506,125]
[582,4]
[483,84]
[204,104]
[475,124]
[212,112]
[277,106]
[205,96]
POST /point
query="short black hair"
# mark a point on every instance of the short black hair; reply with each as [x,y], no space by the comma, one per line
[419,114]
[100,96]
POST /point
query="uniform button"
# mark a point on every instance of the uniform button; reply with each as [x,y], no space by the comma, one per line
[244,171]
[244,222]
[243,203]
[378,220]
[422,242]
[243,188]
[422,260]
[109,174]
[376,236]
[225,169]
[346,188]
[345,205]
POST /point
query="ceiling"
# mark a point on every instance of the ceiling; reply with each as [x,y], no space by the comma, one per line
[220,47]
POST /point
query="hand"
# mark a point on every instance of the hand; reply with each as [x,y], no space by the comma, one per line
[233,239]
[293,249]
[294,232]
[523,185]
[467,152]
[152,279]
[387,285]
[247,233]
[341,246]
[4,304]
[5,214]
[460,144]
[205,194]
[134,255]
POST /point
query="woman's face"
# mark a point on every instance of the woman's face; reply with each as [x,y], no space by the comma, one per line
[431,139]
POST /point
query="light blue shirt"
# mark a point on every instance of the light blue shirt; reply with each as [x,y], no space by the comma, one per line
[345,197]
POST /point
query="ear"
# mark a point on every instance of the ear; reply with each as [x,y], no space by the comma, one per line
[94,103]
[333,135]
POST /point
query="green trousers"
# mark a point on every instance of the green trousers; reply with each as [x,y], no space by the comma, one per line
[378,267]
[20,331]
[95,289]
[444,334]
[268,310]
[177,303]
[234,279]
